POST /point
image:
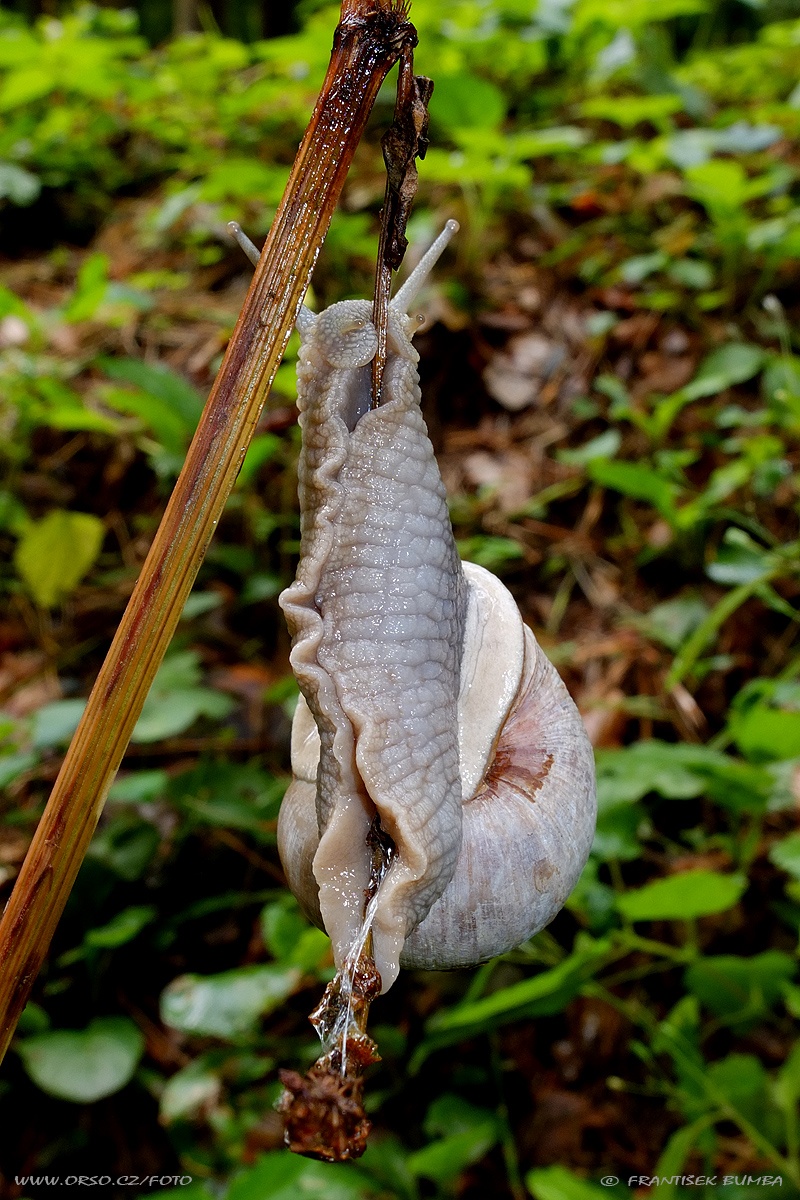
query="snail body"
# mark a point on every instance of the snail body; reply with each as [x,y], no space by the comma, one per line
[425,699]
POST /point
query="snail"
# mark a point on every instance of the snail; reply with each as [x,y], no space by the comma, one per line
[427,705]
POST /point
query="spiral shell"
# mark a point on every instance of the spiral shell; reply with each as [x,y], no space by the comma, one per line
[529,800]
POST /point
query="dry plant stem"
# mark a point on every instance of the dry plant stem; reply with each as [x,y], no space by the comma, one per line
[380,313]
[368,41]
[404,142]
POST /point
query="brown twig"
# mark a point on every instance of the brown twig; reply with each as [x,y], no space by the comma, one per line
[370,37]
[403,143]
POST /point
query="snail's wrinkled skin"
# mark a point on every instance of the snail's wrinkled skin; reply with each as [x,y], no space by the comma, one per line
[425,700]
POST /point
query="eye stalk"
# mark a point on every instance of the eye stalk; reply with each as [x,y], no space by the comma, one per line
[408,293]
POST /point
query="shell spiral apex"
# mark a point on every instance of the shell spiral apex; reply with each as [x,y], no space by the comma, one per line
[428,710]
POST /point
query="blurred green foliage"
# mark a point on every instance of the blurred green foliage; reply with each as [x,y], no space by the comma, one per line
[650,148]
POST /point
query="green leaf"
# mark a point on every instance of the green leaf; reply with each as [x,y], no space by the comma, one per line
[682,897]
[557,1183]
[767,734]
[745,987]
[489,552]
[232,794]
[625,776]
[593,900]
[691,273]
[740,560]
[18,185]
[637,481]
[262,449]
[284,1176]
[63,408]
[33,1019]
[24,86]
[275,1177]
[227,1005]
[736,785]
[791,998]
[605,445]
[289,937]
[84,1065]
[613,387]
[90,290]
[463,1134]
[628,111]
[122,928]
[742,1079]
[281,926]
[628,14]
[678,1035]
[450,1113]
[175,700]
[720,186]
[444,1160]
[189,1091]
[199,603]
[14,765]
[13,517]
[167,714]
[54,554]
[732,363]
[635,270]
[54,724]
[788,1082]
[617,834]
[167,426]
[557,139]
[726,366]
[764,720]
[126,846]
[138,787]
[312,952]
[161,383]
[786,855]
[672,621]
[706,631]
[466,102]
[540,995]
[241,180]
[769,597]
[679,772]
[259,587]
[673,1157]
[193,1191]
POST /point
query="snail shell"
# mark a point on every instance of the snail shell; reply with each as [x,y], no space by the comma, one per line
[425,699]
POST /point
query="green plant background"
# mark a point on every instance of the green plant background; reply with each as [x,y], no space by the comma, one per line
[626,178]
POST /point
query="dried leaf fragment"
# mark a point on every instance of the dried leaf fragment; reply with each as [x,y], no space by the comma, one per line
[323,1111]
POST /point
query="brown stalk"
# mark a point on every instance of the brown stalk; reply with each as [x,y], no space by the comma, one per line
[403,143]
[370,37]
